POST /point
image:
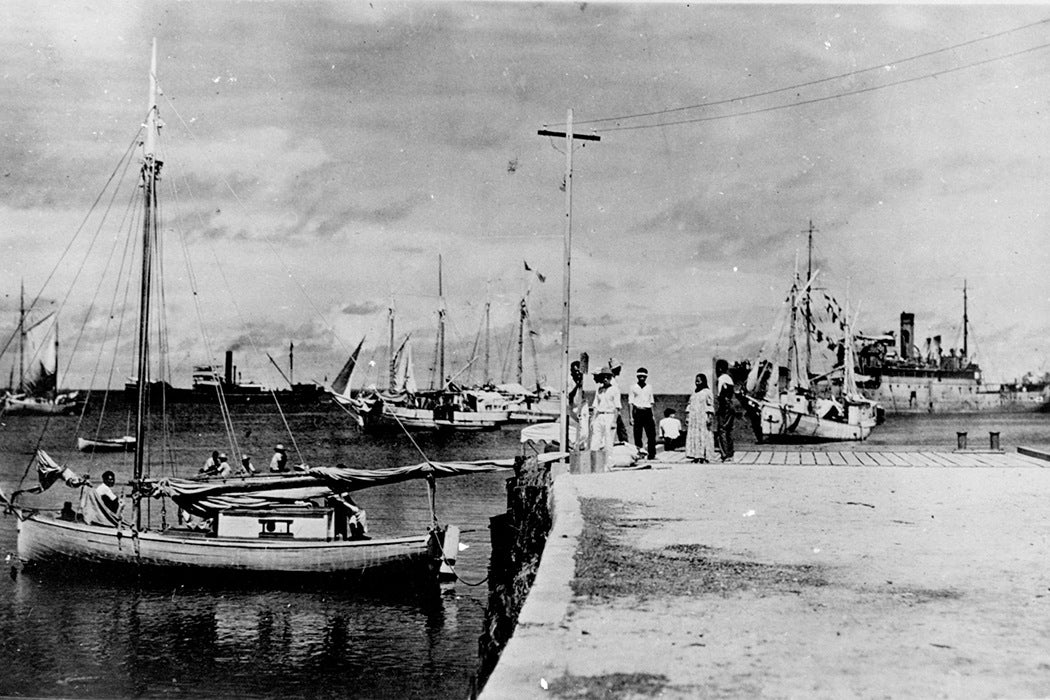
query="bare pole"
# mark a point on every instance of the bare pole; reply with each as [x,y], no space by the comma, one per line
[809,313]
[567,275]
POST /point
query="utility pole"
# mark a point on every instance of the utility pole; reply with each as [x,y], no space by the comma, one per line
[567,255]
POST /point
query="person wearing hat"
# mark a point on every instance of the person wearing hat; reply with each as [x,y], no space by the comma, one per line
[246,465]
[224,467]
[605,408]
[621,430]
[279,461]
[642,401]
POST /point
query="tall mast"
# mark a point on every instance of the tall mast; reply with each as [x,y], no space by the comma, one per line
[22,338]
[809,317]
[520,374]
[291,363]
[966,324]
[150,171]
[393,369]
[485,379]
[441,329]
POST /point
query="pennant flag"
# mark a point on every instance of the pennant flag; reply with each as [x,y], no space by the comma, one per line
[541,278]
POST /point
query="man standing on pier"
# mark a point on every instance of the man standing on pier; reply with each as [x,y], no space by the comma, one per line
[641,402]
[725,413]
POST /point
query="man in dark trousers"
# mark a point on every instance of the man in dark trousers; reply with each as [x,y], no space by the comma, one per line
[641,401]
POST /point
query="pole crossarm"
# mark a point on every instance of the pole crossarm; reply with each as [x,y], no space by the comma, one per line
[563,134]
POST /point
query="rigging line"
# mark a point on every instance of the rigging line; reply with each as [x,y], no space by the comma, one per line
[265,239]
[811,83]
[200,316]
[131,207]
[109,261]
[826,98]
[76,234]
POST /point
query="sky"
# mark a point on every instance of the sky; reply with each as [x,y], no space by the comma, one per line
[320,157]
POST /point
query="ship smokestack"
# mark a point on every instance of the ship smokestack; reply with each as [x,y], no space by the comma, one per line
[229,368]
[907,334]
[937,350]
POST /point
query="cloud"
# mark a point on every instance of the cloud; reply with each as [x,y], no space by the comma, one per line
[362,309]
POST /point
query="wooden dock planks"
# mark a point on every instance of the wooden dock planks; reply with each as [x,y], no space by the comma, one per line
[874,458]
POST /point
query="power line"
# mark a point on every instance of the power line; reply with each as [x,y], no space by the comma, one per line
[830,97]
[810,83]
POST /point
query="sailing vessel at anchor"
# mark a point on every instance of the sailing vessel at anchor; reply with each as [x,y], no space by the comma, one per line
[296,523]
[37,392]
[784,397]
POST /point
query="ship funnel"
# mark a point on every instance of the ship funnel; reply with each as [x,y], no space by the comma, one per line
[907,334]
[229,367]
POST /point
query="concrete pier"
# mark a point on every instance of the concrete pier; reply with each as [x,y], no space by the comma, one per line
[792,574]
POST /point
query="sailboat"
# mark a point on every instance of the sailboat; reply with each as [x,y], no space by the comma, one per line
[403,405]
[297,523]
[37,392]
[786,398]
[528,405]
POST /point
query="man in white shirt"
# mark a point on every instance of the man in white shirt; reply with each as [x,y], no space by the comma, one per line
[105,492]
[670,430]
[641,401]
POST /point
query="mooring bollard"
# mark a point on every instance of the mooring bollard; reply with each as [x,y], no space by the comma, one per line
[961,440]
[993,440]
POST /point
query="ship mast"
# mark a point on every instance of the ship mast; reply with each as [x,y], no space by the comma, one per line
[150,171]
[22,338]
[966,325]
[393,369]
[809,316]
[441,330]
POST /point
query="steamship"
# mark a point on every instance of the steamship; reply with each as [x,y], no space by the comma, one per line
[906,379]
[209,381]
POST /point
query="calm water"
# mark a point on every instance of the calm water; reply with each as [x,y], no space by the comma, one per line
[69,637]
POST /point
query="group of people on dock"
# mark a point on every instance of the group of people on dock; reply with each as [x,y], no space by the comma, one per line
[709,426]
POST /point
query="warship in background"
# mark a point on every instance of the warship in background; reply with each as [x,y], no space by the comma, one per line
[906,379]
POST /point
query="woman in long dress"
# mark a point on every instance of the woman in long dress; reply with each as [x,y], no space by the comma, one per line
[699,439]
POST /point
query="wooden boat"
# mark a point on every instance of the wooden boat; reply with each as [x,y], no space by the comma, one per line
[125,443]
[37,392]
[786,398]
[301,523]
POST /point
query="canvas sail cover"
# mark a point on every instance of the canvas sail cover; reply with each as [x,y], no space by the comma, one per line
[206,498]
[41,353]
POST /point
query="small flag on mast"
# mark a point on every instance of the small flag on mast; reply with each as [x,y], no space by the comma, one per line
[541,278]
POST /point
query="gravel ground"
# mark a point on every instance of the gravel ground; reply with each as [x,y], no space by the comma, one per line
[732,581]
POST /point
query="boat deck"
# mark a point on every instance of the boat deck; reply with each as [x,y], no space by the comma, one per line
[1024,457]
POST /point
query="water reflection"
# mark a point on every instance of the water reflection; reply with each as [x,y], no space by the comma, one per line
[91,638]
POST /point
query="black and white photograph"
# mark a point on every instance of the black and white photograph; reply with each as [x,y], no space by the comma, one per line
[441,349]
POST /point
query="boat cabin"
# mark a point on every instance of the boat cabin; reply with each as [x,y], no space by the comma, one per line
[293,523]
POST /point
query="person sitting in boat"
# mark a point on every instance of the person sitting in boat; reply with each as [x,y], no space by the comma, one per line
[224,469]
[105,492]
[211,465]
[279,461]
[246,465]
[351,522]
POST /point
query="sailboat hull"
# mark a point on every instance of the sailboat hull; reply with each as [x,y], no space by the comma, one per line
[782,422]
[38,407]
[45,540]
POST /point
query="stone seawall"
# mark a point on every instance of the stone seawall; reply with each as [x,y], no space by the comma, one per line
[518,537]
